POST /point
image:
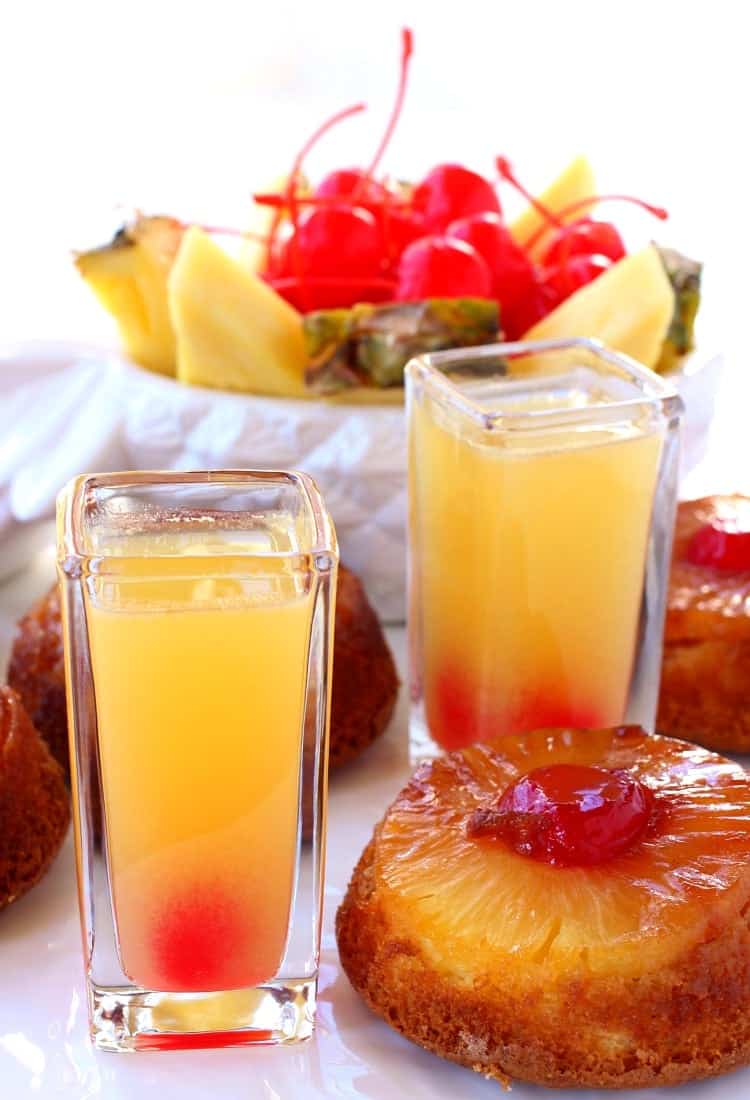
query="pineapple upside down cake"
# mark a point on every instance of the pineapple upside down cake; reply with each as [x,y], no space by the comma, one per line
[705,680]
[565,907]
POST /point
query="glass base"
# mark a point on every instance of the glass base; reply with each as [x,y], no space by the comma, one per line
[422,746]
[125,1018]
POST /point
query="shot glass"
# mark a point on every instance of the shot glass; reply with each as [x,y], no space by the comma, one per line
[198,612]
[542,490]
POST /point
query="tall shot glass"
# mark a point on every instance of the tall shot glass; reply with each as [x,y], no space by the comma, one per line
[198,613]
[542,489]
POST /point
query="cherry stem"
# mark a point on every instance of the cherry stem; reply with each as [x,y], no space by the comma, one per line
[290,192]
[594,200]
[227,231]
[318,134]
[273,198]
[506,172]
[407,49]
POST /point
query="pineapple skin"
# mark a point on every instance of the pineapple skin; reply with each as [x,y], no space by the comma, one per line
[129,277]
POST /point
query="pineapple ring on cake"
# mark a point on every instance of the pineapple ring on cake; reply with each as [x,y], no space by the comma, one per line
[629,972]
[704,694]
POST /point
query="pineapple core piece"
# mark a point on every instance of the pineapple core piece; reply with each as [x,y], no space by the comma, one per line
[233,331]
[129,277]
[629,308]
[575,183]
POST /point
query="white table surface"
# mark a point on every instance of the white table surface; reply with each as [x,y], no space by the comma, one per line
[44,1048]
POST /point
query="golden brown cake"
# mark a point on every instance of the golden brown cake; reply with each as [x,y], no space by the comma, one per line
[37,673]
[705,682]
[365,684]
[594,936]
[34,809]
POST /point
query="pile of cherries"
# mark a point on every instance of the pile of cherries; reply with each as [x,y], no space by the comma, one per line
[356,238]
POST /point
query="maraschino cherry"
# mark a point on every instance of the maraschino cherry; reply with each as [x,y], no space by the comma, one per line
[514,278]
[440,267]
[586,237]
[336,240]
[561,280]
[451,191]
[569,815]
[353,184]
[724,543]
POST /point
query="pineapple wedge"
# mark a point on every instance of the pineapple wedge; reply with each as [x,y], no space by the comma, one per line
[129,277]
[576,182]
[233,331]
[629,308]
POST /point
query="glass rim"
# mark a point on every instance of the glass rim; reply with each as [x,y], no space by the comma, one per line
[77,495]
[429,371]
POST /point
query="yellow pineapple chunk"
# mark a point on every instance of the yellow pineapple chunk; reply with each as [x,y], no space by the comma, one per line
[233,331]
[129,277]
[576,182]
[629,308]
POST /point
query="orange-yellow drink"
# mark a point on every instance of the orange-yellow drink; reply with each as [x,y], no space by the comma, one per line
[529,571]
[199,676]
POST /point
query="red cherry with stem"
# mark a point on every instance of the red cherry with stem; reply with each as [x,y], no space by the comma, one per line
[438,267]
[568,815]
[566,277]
[724,543]
[335,240]
[513,274]
[585,237]
[585,204]
[350,183]
[451,191]
[290,191]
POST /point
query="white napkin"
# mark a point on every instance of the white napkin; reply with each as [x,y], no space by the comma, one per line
[66,410]
[63,414]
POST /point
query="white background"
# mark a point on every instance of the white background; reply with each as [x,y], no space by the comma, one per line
[188,106]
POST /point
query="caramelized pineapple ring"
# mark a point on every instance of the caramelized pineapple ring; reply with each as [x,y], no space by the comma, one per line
[468,902]
[706,604]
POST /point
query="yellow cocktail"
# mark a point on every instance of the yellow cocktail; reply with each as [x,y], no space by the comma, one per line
[200,690]
[531,519]
[198,611]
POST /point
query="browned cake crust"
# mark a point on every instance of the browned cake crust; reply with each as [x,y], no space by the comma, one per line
[705,693]
[705,680]
[34,808]
[688,1021]
[365,684]
[37,673]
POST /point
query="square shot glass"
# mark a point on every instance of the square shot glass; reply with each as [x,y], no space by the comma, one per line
[542,492]
[198,617]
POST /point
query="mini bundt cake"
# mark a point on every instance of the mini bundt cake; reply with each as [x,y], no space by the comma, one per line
[565,907]
[365,683]
[34,808]
[705,681]
[37,673]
